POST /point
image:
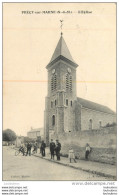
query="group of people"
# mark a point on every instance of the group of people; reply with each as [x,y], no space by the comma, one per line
[25,149]
[55,148]
[72,155]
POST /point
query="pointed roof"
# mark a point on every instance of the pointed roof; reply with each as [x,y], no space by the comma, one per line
[61,50]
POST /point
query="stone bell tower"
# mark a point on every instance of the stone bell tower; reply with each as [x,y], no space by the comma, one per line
[59,110]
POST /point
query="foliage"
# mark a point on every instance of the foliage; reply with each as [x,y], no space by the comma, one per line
[110,125]
[9,135]
[27,139]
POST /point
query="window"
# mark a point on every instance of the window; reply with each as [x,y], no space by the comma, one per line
[66,102]
[90,124]
[55,102]
[100,124]
[54,82]
[71,103]
[51,104]
[53,120]
[68,82]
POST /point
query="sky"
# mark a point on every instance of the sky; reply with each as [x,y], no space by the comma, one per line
[29,40]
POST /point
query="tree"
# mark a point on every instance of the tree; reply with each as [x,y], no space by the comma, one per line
[9,135]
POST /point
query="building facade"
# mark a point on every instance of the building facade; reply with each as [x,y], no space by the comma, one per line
[34,133]
[19,141]
[64,111]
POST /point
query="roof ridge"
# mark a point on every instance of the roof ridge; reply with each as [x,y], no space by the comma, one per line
[91,101]
[95,106]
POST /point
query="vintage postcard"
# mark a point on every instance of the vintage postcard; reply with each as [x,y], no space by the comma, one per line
[59,92]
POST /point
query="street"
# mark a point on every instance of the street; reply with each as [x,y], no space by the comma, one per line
[34,168]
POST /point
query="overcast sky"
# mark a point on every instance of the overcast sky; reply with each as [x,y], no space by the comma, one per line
[29,41]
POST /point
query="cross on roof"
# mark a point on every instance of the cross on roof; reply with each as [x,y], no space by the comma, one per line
[61,21]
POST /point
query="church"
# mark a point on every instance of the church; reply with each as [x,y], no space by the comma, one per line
[64,111]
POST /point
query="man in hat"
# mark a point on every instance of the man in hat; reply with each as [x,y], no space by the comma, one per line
[29,146]
[58,148]
[35,148]
[43,146]
[52,149]
[88,150]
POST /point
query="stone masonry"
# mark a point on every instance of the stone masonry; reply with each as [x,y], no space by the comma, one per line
[64,111]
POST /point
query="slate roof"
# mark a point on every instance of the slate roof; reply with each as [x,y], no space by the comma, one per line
[94,106]
[61,50]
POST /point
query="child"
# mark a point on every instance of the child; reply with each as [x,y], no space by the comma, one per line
[71,155]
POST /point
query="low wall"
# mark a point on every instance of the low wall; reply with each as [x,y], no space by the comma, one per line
[103,143]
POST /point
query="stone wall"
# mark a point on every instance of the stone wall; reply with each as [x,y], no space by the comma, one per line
[103,143]
[97,117]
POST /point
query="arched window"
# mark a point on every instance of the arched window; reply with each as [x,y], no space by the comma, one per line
[53,120]
[100,124]
[71,102]
[55,102]
[54,82]
[51,104]
[66,102]
[68,82]
[90,124]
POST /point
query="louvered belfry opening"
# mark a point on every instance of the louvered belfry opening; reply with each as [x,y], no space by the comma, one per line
[54,82]
[68,82]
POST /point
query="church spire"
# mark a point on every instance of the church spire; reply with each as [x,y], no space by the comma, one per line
[62,50]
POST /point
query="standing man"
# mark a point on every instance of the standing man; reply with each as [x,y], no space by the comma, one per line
[52,149]
[29,146]
[88,150]
[43,146]
[36,144]
[35,148]
[58,148]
